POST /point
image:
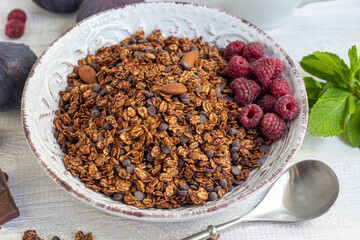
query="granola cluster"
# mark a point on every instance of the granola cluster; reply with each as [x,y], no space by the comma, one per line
[136,136]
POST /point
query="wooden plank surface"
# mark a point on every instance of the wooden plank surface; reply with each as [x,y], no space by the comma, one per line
[328,26]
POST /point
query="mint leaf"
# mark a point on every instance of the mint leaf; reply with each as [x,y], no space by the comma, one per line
[320,69]
[328,115]
[354,62]
[313,89]
[334,62]
[353,128]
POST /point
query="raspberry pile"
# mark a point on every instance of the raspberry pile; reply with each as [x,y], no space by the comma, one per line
[259,88]
[16,24]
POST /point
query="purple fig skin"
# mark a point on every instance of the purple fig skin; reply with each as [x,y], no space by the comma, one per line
[90,7]
[59,6]
[5,85]
[19,59]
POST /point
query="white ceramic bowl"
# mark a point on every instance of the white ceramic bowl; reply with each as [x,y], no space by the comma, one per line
[49,76]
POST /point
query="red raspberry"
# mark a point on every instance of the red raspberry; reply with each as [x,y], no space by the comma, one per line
[267,103]
[253,51]
[239,67]
[14,28]
[246,90]
[280,87]
[233,49]
[278,68]
[251,115]
[17,14]
[264,68]
[272,126]
[287,107]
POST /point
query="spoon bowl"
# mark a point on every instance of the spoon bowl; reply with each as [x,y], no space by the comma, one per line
[306,190]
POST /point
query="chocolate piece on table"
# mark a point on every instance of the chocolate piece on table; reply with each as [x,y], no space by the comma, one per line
[8,208]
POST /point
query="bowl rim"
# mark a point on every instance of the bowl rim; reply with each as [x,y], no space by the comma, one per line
[139,214]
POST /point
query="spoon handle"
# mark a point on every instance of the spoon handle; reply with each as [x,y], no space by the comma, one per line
[213,231]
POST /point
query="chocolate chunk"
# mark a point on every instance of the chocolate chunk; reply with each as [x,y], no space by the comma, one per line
[194,49]
[95,113]
[182,192]
[159,50]
[166,149]
[55,238]
[149,50]
[180,163]
[232,131]
[235,171]
[210,188]
[218,94]
[213,196]
[223,183]
[148,94]
[209,170]
[203,118]
[199,90]
[238,182]
[152,110]
[149,157]
[194,187]
[163,126]
[139,195]
[183,186]
[118,197]
[185,65]
[184,139]
[93,95]
[229,99]
[229,187]
[130,168]
[217,188]
[234,149]
[8,208]
[175,99]
[204,113]
[121,151]
[188,117]
[219,86]
[210,153]
[235,156]
[168,69]
[235,144]
[126,162]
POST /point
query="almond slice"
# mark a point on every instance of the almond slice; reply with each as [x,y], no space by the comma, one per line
[173,88]
[190,58]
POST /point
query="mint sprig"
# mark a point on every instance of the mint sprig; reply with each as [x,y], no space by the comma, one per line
[334,95]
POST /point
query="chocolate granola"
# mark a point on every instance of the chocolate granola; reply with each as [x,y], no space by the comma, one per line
[127,137]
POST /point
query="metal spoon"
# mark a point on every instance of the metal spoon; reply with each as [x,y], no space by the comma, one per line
[306,190]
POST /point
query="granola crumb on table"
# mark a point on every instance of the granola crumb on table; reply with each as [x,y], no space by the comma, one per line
[159,128]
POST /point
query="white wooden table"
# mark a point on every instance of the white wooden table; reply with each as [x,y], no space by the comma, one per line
[328,26]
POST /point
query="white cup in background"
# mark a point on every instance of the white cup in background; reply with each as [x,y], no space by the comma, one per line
[265,14]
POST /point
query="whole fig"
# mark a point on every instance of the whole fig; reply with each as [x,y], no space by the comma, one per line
[5,85]
[90,7]
[16,60]
[59,6]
